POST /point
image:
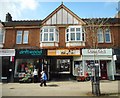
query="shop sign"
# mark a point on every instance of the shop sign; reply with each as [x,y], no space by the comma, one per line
[7,52]
[64,52]
[96,51]
[30,52]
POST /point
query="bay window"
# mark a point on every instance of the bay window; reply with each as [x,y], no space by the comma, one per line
[45,36]
[49,34]
[72,36]
[74,33]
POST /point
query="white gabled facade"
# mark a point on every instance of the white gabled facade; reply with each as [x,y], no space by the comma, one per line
[61,17]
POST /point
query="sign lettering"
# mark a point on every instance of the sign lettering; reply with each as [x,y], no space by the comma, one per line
[30,52]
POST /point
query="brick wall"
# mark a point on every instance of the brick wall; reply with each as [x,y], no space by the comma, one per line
[10,38]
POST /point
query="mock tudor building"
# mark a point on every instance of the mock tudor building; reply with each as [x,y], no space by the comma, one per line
[64,45]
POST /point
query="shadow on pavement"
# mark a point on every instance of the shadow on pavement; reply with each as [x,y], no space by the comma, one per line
[52,85]
[103,94]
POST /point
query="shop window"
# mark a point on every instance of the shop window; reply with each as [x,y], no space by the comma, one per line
[78,68]
[24,67]
[117,67]
[89,66]
[63,65]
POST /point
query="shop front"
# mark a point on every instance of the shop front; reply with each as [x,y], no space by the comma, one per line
[26,61]
[7,67]
[116,55]
[62,63]
[104,58]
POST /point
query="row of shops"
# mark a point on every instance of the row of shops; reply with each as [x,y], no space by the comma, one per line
[59,64]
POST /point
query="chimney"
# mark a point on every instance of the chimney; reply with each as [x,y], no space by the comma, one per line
[8,17]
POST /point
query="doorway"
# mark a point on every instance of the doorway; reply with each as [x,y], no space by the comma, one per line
[61,68]
[103,68]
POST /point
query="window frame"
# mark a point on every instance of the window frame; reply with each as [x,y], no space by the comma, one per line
[2,34]
[51,30]
[109,35]
[22,36]
[100,35]
[75,31]
[26,31]
[19,31]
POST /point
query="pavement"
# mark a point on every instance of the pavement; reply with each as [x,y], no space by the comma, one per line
[58,88]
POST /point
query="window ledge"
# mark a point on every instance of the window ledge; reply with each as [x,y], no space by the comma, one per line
[74,41]
[49,42]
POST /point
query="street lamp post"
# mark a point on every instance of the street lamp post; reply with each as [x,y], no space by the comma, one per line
[96,81]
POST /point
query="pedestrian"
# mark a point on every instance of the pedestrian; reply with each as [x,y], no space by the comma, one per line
[43,78]
[35,73]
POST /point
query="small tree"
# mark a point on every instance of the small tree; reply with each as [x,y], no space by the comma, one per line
[91,28]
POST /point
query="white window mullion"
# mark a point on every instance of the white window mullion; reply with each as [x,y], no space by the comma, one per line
[75,35]
[81,34]
[48,34]
[54,33]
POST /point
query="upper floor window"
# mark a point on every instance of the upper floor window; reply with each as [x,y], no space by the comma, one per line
[100,35]
[107,36]
[22,37]
[74,33]
[25,37]
[2,35]
[19,37]
[49,34]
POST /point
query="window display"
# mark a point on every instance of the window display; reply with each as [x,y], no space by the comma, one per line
[63,65]
[24,67]
[89,65]
[78,68]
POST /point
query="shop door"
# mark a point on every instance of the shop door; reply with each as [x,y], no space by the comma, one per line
[103,68]
[5,69]
[46,67]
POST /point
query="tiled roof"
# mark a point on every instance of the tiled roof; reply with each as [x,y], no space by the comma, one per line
[23,23]
[89,21]
[104,21]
